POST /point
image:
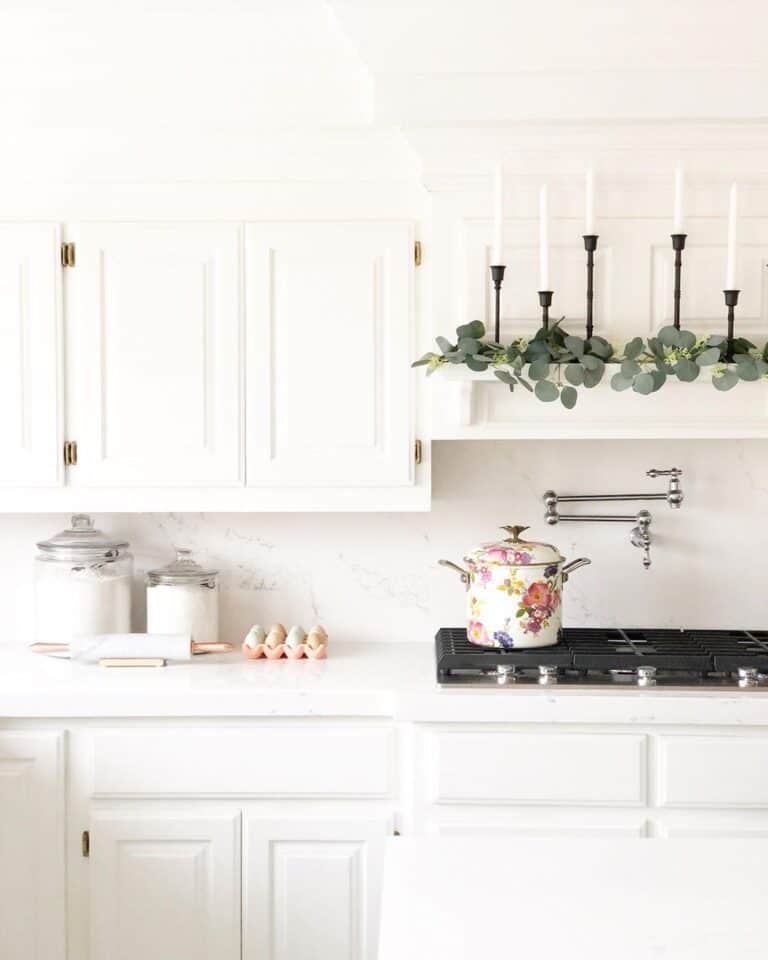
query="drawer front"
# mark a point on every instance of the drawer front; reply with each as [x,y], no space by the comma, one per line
[510,767]
[715,771]
[272,761]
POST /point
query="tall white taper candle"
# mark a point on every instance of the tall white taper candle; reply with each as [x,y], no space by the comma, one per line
[589,203]
[543,238]
[497,251]
[733,212]
[677,216]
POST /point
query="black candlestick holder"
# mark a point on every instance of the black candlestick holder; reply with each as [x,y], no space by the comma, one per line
[497,275]
[678,245]
[731,299]
[545,299]
[590,245]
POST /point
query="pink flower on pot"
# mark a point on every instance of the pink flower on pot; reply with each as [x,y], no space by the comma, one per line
[521,556]
[497,554]
[478,633]
[532,626]
[539,594]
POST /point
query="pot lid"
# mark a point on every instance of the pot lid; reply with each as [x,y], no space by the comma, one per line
[515,551]
[82,539]
[184,569]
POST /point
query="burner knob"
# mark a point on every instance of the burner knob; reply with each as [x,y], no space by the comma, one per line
[547,674]
[505,673]
[646,676]
[748,676]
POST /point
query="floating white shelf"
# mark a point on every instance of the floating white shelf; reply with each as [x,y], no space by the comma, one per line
[468,405]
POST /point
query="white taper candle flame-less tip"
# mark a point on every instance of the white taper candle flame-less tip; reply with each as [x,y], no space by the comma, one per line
[497,250]
[733,213]
[677,215]
[544,238]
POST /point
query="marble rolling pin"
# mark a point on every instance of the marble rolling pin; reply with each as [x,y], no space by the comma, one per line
[168,646]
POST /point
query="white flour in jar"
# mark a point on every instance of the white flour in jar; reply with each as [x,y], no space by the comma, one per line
[184,608]
[79,600]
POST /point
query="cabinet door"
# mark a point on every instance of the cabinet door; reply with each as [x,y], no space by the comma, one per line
[30,381]
[32,882]
[154,358]
[312,888]
[329,395]
[165,887]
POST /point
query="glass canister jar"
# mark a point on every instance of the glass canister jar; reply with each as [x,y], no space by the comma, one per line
[183,597]
[82,584]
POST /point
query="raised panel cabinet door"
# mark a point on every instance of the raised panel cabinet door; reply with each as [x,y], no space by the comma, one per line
[312,887]
[329,347]
[30,377]
[154,356]
[32,843]
[165,887]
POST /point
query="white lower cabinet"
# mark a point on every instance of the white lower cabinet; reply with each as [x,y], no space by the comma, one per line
[312,887]
[165,887]
[32,872]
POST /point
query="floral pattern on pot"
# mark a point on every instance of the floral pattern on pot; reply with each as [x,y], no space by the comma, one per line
[478,634]
[538,604]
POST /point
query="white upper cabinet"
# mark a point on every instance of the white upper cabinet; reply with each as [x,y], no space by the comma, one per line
[154,354]
[165,887]
[329,346]
[30,378]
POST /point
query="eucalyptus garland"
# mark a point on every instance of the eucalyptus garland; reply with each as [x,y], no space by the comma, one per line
[554,364]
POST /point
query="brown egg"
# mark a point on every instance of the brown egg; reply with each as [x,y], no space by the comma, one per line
[277,628]
[274,639]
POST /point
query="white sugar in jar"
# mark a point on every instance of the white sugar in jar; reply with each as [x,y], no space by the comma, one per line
[82,584]
[183,597]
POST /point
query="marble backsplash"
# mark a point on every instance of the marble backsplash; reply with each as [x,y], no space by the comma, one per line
[375,576]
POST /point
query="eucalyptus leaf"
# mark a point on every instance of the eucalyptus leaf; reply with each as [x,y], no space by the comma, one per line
[709,356]
[630,368]
[476,365]
[574,374]
[568,397]
[423,360]
[593,377]
[537,349]
[575,345]
[634,348]
[468,345]
[687,339]
[546,390]
[643,383]
[748,370]
[444,345]
[762,367]
[715,340]
[524,383]
[619,382]
[601,348]
[591,363]
[659,379]
[475,330]
[539,369]
[669,336]
[726,380]
[504,376]
[686,370]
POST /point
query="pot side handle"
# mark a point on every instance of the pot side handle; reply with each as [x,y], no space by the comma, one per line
[464,574]
[573,565]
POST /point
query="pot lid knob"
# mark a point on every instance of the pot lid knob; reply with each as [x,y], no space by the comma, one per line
[515,531]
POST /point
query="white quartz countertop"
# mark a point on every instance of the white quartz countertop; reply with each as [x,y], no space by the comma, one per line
[395,680]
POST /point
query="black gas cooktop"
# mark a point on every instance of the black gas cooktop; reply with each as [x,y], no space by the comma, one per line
[630,657]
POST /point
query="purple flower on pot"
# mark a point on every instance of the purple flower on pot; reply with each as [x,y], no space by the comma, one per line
[504,639]
[551,570]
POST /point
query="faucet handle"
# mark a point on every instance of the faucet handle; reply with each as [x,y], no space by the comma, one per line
[640,536]
[674,472]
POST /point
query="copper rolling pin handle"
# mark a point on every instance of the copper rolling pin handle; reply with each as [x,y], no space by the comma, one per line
[49,647]
[212,647]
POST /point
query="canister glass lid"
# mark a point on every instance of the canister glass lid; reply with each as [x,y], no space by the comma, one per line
[184,569]
[82,540]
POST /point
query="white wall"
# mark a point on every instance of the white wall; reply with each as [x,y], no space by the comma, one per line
[375,577]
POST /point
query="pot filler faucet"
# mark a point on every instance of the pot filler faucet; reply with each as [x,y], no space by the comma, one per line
[640,534]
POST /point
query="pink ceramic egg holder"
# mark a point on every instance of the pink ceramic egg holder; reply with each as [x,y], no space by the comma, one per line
[284,651]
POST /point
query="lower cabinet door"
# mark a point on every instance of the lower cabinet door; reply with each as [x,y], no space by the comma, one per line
[312,888]
[32,884]
[165,887]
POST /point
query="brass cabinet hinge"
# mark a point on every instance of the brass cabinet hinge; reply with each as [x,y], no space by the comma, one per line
[85,843]
[417,253]
[67,254]
[417,451]
[70,453]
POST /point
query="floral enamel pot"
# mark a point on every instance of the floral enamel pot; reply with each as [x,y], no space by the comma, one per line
[514,592]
